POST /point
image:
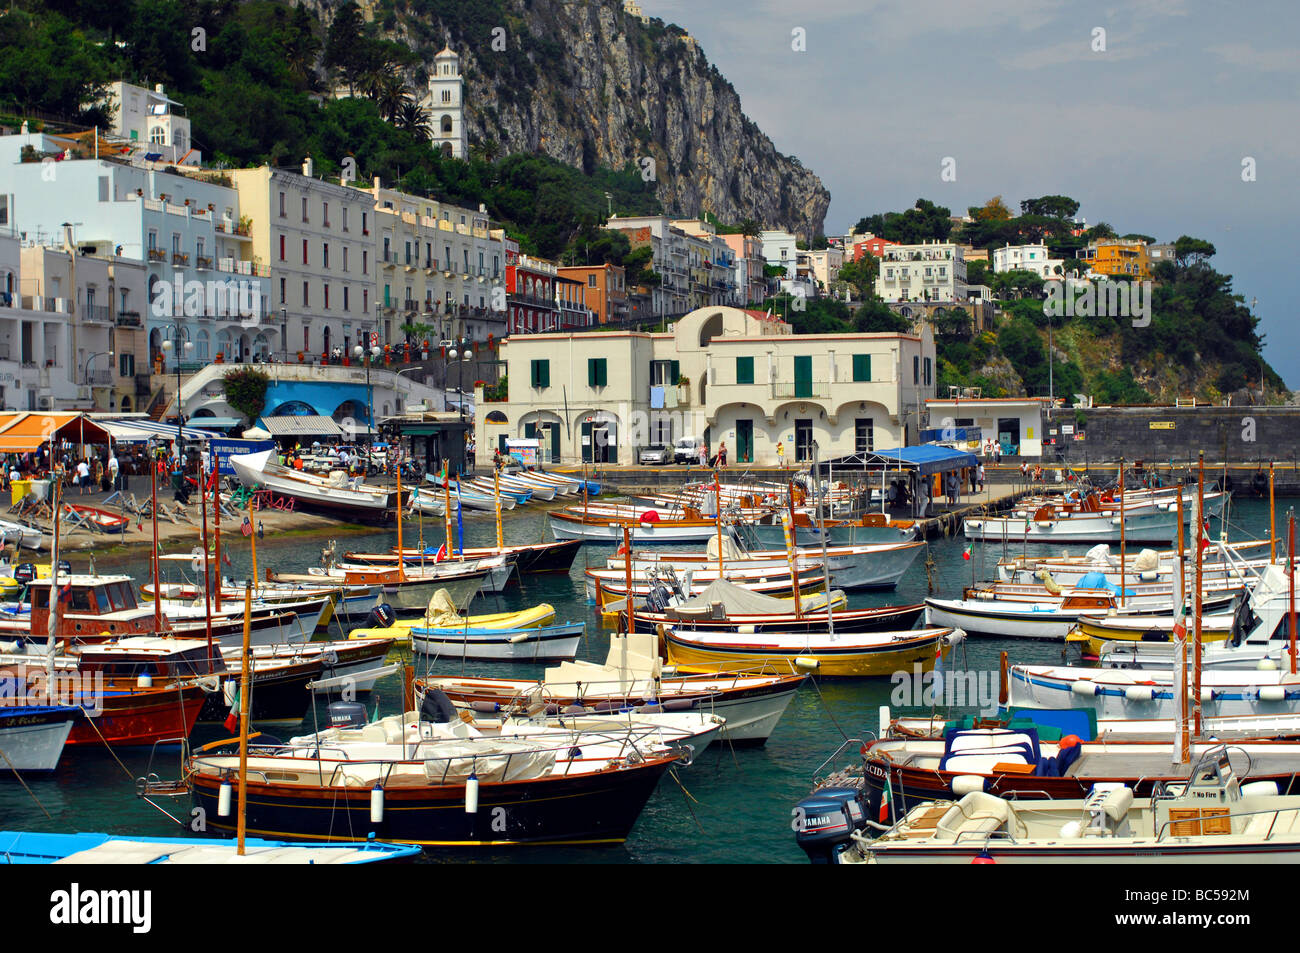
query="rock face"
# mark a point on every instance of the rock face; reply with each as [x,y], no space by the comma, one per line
[590,84]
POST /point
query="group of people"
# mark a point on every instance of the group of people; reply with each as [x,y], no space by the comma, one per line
[96,471]
[718,460]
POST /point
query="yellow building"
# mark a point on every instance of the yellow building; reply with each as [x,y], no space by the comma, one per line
[1118,257]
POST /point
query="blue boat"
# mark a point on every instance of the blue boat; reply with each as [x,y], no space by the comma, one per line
[31,847]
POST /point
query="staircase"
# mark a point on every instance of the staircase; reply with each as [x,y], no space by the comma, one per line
[158,404]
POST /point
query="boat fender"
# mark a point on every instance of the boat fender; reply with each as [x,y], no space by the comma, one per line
[575,753]
[376,804]
[679,704]
[485,707]
[650,708]
[1084,688]
[824,822]
[437,707]
[552,709]
[572,710]
[1272,693]
[1149,575]
[1266,664]
[746,629]
[228,688]
[225,794]
[1139,693]
[1259,482]
[1207,694]
[471,794]
[956,636]
[965,784]
[608,705]
[806,663]
[1259,789]
[144,681]
[1071,830]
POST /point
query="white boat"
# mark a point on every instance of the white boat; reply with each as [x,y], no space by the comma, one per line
[21,535]
[1209,818]
[540,643]
[336,493]
[540,490]
[1150,520]
[32,735]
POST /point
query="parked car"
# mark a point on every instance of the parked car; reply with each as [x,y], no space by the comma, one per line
[656,455]
[687,450]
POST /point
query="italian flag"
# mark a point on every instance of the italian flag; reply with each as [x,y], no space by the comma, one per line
[232,720]
[1180,626]
[965,553]
[886,799]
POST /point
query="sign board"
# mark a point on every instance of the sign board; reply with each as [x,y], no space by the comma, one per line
[374,339]
[223,448]
[1161,425]
[524,450]
[1067,429]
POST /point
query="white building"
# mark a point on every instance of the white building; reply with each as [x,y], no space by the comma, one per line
[745,379]
[780,250]
[673,252]
[148,118]
[204,281]
[1034,258]
[445,103]
[931,271]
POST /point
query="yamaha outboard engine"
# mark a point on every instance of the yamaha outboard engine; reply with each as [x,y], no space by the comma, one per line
[437,707]
[824,821]
[65,568]
[25,573]
[381,616]
[347,715]
[658,598]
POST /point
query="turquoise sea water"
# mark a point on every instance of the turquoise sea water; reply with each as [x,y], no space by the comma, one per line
[730,806]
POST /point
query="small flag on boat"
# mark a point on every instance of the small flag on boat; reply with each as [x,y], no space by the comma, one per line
[232,720]
[886,797]
[441,554]
[936,686]
[1180,626]
[1205,535]
[967,551]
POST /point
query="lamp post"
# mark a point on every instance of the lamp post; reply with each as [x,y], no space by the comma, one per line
[463,357]
[89,360]
[369,357]
[179,342]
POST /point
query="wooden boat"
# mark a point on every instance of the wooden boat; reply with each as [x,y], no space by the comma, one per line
[28,847]
[1145,566]
[570,523]
[435,789]
[1210,816]
[632,675]
[541,490]
[409,589]
[468,497]
[102,520]
[842,655]
[1093,520]
[542,643]
[443,613]
[337,494]
[606,586]
[32,736]
[528,557]
[868,529]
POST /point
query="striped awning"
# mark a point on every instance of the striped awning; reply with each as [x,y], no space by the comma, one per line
[142,430]
[304,426]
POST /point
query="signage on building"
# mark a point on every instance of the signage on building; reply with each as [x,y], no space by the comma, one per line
[1160,425]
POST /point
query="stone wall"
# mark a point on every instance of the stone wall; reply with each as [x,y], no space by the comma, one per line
[1235,435]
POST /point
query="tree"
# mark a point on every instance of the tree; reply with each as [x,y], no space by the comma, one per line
[994,210]
[923,222]
[874,317]
[246,391]
[861,275]
[344,42]
[1192,251]
[1053,206]
[414,118]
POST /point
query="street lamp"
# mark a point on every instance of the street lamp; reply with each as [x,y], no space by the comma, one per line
[87,372]
[370,356]
[178,342]
[465,356]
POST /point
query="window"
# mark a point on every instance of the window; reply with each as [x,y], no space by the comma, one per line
[803,440]
[345,298]
[862,367]
[304,208]
[282,248]
[325,255]
[327,297]
[282,213]
[365,261]
[365,299]
[916,370]
[126,365]
[744,370]
[591,281]
[345,257]
[864,435]
[541,374]
[345,218]
[927,372]
[365,230]
[281,291]
[304,251]
[597,375]
[306,297]
[325,214]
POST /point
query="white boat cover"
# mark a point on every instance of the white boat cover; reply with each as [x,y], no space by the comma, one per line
[729,549]
[737,600]
[1099,555]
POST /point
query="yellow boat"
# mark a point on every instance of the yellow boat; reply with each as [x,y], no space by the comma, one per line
[612,611]
[11,587]
[1096,630]
[852,655]
[441,613]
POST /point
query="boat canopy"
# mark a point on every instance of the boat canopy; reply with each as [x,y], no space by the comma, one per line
[924,460]
[737,600]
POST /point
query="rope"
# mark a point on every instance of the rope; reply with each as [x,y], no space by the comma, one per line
[830,714]
[687,797]
[24,784]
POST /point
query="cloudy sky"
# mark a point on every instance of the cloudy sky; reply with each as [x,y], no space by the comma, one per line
[1149,134]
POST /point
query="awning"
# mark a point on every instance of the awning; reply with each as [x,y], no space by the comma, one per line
[216,423]
[26,432]
[924,460]
[308,425]
[142,430]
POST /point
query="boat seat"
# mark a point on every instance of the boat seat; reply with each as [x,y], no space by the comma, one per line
[983,762]
[976,813]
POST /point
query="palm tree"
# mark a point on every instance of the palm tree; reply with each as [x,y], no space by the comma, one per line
[414,118]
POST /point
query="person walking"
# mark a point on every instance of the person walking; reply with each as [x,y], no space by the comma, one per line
[722,454]
[979,476]
[114,467]
[83,477]
[704,454]
[780,454]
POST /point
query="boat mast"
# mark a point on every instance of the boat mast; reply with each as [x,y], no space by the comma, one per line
[496,492]
[1290,574]
[252,535]
[53,621]
[793,561]
[1182,743]
[216,524]
[243,716]
[821,529]
[1122,575]
[1196,595]
[717,503]
[401,554]
[207,575]
[1272,530]
[153,516]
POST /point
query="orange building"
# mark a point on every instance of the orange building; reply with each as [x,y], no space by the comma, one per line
[603,289]
[1118,257]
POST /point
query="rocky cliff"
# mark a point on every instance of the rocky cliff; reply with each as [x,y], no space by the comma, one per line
[590,84]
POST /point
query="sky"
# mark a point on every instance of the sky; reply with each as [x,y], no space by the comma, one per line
[1151,113]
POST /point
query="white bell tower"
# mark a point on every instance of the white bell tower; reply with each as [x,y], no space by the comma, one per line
[445,104]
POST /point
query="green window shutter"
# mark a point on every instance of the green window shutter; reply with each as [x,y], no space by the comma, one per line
[603,369]
[744,370]
[597,375]
[546,373]
[862,367]
[674,372]
[591,372]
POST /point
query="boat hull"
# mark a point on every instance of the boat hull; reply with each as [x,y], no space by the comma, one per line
[544,643]
[32,737]
[693,654]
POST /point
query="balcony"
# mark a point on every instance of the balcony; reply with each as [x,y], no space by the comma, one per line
[96,314]
[157,254]
[129,319]
[100,377]
[180,258]
[203,262]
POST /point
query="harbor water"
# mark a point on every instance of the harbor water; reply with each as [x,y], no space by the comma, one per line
[731,805]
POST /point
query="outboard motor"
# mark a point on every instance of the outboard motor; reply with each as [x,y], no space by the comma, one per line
[437,707]
[347,715]
[825,820]
[25,573]
[65,568]
[381,616]
[658,598]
